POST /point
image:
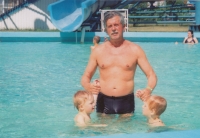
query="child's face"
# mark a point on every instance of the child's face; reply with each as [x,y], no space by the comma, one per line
[89,105]
[146,110]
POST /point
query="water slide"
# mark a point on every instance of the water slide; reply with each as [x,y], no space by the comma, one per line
[69,15]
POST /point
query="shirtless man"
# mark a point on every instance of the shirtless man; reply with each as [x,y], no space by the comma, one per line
[117,60]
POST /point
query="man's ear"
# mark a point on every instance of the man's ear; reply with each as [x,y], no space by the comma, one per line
[124,27]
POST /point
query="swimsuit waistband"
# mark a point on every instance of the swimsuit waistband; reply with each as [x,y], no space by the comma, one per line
[113,97]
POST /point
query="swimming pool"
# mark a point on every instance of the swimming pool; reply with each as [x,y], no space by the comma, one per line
[38,80]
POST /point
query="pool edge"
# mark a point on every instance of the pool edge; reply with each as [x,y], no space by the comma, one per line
[76,36]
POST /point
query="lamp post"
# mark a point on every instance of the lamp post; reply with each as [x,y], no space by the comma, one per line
[3,6]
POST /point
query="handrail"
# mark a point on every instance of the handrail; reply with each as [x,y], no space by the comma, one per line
[163,22]
[140,17]
[175,11]
[13,6]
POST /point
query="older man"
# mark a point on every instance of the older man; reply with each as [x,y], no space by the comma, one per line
[117,60]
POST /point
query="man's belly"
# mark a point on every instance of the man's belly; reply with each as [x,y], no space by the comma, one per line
[117,88]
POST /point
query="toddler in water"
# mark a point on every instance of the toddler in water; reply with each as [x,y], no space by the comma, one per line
[84,102]
[153,107]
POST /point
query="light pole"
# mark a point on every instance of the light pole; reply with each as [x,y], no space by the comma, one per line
[3,5]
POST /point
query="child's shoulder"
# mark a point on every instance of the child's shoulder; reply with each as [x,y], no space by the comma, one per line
[157,124]
[79,120]
[78,117]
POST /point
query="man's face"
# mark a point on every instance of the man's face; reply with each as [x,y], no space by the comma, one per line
[114,28]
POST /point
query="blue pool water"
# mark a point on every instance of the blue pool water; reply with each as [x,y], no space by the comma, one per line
[38,80]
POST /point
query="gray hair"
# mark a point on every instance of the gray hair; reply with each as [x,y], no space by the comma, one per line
[111,14]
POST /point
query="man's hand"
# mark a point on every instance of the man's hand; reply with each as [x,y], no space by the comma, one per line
[94,87]
[143,94]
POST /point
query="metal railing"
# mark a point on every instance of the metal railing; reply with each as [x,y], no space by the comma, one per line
[7,6]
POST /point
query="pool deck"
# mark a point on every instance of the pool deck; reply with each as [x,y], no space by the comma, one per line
[76,36]
[174,134]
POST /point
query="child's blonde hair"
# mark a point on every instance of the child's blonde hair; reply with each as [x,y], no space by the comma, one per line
[80,97]
[157,103]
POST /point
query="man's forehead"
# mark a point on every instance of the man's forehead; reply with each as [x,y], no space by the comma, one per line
[113,19]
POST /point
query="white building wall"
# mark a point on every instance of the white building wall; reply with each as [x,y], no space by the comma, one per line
[31,17]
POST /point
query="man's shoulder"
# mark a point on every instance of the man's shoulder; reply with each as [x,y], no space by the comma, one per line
[99,47]
[132,45]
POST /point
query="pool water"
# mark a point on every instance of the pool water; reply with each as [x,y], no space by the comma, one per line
[38,80]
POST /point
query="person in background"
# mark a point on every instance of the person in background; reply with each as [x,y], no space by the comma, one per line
[190,39]
[96,41]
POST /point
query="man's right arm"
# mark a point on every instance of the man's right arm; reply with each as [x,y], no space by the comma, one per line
[87,76]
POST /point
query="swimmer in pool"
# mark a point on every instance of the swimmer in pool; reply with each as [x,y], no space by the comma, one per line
[96,41]
[190,39]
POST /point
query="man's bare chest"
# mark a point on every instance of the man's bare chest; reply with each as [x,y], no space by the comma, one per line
[123,60]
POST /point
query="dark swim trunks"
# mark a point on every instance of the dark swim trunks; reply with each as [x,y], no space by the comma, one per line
[115,105]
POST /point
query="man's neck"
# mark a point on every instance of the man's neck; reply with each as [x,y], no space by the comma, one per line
[117,43]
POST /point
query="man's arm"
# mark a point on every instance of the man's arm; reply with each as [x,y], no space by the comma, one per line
[87,76]
[148,71]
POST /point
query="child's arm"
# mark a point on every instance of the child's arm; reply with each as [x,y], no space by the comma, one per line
[98,125]
[80,122]
[96,82]
[139,93]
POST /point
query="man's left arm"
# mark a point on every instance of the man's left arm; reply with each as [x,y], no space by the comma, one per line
[145,66]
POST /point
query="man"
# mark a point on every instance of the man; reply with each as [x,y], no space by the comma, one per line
[117,60]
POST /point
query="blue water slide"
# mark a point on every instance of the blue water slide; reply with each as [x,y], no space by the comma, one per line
[68,15]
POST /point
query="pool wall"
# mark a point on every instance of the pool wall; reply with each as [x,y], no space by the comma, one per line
[76,36]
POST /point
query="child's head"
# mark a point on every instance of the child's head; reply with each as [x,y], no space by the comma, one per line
[155,105]
[84,101]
